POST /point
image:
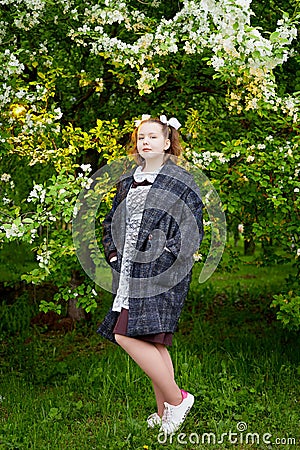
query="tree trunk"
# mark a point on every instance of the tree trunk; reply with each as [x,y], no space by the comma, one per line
[75,313]
[249,246]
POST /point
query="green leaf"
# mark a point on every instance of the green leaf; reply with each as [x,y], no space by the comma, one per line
[274,36]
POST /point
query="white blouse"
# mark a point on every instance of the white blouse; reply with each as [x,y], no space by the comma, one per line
[135,202]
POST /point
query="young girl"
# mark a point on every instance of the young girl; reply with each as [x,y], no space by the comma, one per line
[158,206]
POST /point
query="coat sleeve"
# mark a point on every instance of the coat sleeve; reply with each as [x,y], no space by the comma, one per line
[110,249]
[187,241]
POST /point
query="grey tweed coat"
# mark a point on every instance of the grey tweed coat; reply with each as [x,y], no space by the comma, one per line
[170,232]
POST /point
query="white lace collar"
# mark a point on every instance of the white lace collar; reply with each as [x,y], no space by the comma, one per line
[142,176]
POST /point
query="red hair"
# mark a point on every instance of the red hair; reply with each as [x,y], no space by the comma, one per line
[168,131]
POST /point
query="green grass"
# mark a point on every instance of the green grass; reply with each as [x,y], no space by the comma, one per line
[76,391]
[15,259]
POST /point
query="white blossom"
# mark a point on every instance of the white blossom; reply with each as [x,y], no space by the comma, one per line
[197,256]
[43,258]
[13,230]
[33,233]
[6,200]
[58,113]
[261,146]
[217,62]
[86,183]
[37,193]
[86,167]
[75,211]
[5,177]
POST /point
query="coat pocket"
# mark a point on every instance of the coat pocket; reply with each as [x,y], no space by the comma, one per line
[163,270]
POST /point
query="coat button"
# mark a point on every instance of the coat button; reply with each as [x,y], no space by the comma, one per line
[150,237]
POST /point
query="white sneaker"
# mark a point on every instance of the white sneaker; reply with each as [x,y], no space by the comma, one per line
[174,416]
[153,420]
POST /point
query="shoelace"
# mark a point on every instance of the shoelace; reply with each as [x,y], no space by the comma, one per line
[167,415]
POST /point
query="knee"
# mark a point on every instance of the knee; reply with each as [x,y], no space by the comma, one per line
[120,339]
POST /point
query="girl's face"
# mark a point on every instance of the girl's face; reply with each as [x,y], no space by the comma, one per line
[151,142]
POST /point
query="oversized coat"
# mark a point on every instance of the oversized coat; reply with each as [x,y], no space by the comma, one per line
[172,227]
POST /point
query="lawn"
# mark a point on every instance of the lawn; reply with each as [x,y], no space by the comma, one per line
[74,390]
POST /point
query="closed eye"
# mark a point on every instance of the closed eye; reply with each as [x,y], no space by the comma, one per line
[151,136]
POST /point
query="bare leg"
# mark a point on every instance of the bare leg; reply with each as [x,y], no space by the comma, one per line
[153,362]
[166,357]
[158,393]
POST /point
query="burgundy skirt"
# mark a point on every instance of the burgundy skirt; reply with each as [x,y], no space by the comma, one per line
[158,338]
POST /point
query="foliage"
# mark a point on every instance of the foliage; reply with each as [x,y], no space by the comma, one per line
[15,317]
[289,309]
[264,197]
[75,75]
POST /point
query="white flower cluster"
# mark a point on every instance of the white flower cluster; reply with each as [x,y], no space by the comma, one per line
[57,114]
[9,184]
[85,181]
[147,80]
[291,106]
[43,258]
[6,94]
[289,150]
[28,20]
[101,15]
[38,193]
[197,256]
[5,177]
[10,65]
[222,26]
[6,200]
[33,234]
[86,168]
[13,230]
[204,160]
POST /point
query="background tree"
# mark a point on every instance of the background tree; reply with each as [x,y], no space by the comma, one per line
[74,76]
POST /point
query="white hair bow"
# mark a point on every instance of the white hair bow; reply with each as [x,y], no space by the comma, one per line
[173,122]
[138,122]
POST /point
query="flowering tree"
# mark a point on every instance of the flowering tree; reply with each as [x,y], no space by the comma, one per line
[75,75]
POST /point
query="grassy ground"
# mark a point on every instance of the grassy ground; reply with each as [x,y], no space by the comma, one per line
[15,259]
[76,391]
